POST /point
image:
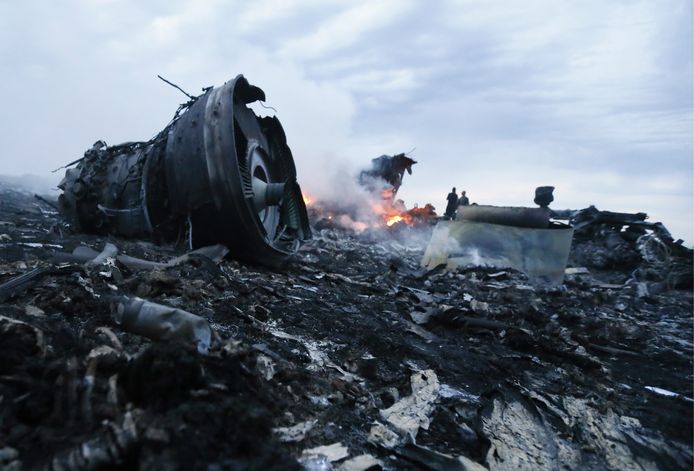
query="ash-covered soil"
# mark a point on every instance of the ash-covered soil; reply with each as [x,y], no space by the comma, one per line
[351,346]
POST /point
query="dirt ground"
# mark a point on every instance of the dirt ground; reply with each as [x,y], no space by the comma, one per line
[351,357]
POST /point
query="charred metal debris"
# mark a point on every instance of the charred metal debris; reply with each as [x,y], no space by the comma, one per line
[216,174]
[386,169]
[606,240]
[122,354]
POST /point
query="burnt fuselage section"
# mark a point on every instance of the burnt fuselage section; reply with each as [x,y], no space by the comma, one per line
[386,170]
[217,174]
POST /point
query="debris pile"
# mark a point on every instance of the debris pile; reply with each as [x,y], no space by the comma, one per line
[124,354]
[636,250]
[376,206]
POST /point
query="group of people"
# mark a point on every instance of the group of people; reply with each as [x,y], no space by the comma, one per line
[454,202]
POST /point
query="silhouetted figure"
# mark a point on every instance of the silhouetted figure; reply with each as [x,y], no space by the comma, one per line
[452,205]
[464,200]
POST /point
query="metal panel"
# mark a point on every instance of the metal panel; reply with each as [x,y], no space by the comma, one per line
[541,254]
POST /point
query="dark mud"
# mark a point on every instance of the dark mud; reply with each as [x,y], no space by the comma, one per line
[351,343]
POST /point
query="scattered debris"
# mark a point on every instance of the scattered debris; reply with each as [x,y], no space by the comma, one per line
[17,285]
[361,463]
[383,436]
[411,413]
[352,344]
[666,393]
[161,322]
[334,452]
[8,459]
[626,242]
[90,257]
[295,433]
[109,449]
[435,461]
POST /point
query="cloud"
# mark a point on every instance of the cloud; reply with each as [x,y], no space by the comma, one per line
[346,28]
[497,97]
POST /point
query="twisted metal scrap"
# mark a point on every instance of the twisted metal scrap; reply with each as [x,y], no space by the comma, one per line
[110,447]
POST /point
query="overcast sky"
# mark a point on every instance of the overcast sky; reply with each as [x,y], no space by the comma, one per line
[497,97]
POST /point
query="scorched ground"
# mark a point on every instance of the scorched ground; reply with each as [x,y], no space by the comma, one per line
[350,357]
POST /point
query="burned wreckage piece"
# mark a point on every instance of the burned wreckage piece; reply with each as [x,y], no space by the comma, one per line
[388,169]
[217,174]
[521,238]
[627,242]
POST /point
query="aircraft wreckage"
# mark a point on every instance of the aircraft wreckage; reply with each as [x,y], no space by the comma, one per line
[386,170]
[525,239]
[216,174]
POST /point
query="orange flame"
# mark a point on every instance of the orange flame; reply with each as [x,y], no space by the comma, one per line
[402,217]
[394,219]
[386,213]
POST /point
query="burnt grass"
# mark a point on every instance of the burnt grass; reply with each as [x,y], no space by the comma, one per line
[529,378]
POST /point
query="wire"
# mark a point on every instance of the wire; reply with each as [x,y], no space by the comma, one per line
[177,87]
[267,107]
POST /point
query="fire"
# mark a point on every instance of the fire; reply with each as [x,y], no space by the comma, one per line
[394,219]
[402,217]
[377,213]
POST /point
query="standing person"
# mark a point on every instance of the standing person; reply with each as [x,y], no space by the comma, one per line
[452,199]
[464,200]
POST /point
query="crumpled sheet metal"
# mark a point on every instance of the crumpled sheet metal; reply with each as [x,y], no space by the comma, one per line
[541,254]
